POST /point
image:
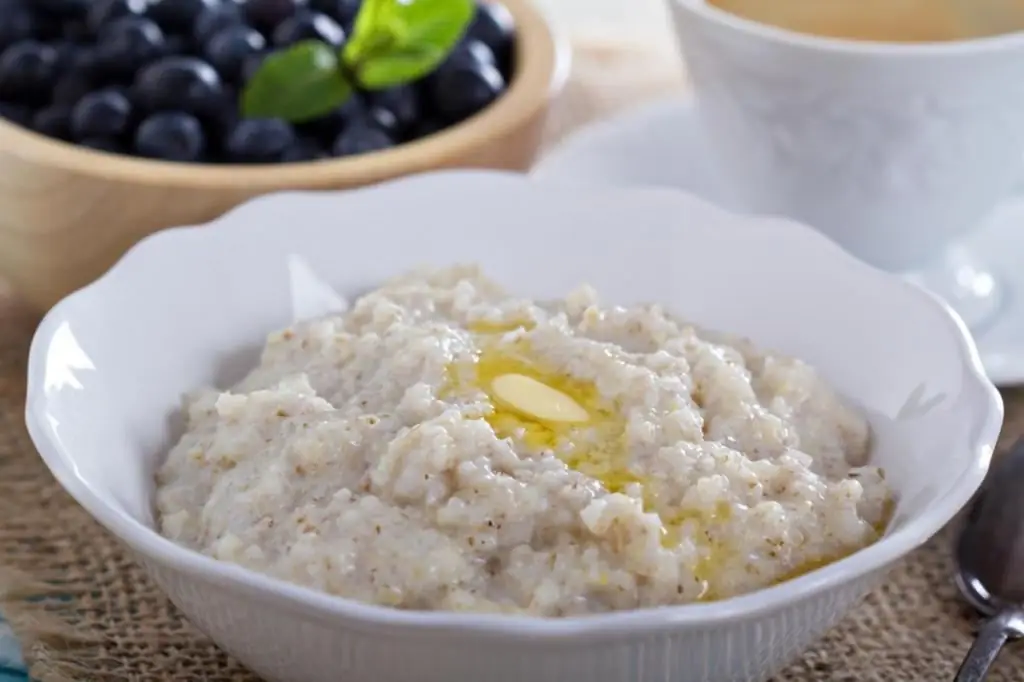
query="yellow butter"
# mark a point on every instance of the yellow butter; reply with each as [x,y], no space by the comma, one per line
[537,400]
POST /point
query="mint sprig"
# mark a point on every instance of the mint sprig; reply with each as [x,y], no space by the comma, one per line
[393,42]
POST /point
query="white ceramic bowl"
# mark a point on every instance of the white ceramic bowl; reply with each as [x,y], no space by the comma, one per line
[190,306]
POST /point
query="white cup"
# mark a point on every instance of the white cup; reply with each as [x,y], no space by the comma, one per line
[892,150]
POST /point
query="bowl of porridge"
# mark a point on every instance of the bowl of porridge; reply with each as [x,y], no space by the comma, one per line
[509,429]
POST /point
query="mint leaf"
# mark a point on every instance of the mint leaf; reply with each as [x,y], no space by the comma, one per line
[367,30]
[299,84]
[397,41]
[397,67]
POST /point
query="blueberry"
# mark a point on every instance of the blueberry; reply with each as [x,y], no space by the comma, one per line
[250,65]
[267,15]
[103,113]
[28,72]
[383,119]
[16,113]
[306,25]
[76,32]
[219,122]
[123,90]
[327,128]
[84,63]
[426,127]
[494,26]
[53,122]
[361,138]
[259,140]
[228,49]
[402,102]
[67,55]
[64,10]
[461,91]
[18,24]
[105,11]
[100,71]
[470,51]
[70,89]
[179,84]
[47,27]
[103,144]
[342,11]
[171,136]
[178,46]
[127,44]
[179,16]
[79,78]
[304,149]
[215,19]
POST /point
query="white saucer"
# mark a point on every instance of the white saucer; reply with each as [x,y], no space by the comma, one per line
[660,145]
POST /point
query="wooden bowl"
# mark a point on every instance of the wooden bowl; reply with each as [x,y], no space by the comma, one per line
[67,213]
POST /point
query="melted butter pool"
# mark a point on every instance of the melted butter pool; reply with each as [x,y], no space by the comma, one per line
[595,446]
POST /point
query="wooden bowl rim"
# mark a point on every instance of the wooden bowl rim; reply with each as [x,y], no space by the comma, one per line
[542,64]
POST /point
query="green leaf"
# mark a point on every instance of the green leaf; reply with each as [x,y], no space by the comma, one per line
[298,84]
[367,30]
[398,67]
[397,41]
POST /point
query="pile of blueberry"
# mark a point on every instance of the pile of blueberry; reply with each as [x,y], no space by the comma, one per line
[161,78]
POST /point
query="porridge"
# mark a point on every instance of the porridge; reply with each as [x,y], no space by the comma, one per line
[446,446]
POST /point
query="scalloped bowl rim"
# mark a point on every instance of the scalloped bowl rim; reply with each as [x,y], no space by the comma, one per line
[542,70]
[323,607]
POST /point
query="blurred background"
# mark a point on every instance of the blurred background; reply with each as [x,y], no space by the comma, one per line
[643,22]
[624,52]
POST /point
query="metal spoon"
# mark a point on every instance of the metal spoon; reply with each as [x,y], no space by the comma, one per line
[990,562]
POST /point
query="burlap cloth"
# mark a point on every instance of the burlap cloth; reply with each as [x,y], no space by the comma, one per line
[90,614]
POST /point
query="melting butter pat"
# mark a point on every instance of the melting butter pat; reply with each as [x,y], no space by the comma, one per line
[537,400]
